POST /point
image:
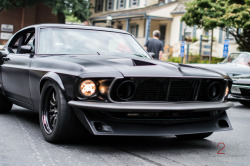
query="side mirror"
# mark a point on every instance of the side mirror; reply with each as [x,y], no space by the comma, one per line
[248,63]
[152,55]
[25,49]
[3,53]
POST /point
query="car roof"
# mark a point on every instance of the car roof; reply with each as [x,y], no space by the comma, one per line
[72,26]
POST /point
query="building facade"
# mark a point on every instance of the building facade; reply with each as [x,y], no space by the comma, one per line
[142,17]
[16,18]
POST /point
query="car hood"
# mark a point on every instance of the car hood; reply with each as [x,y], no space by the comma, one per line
[130,66]
[231,69]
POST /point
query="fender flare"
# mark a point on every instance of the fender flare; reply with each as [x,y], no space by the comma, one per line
[52,77]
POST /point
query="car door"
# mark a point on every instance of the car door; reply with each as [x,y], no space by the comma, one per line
[15,71]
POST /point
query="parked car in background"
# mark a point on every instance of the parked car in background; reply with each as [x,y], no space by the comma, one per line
[105,79]
[240,90]
[234,65]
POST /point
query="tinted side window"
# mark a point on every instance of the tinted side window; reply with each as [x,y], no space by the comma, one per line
[22,38]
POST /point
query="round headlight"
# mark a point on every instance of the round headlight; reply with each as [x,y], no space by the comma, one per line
[227,91]
[88,88]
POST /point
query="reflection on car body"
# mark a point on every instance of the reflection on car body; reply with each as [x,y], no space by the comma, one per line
[104,79]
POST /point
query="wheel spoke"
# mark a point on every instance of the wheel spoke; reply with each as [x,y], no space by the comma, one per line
[50,112]
[52,103]
[54,122]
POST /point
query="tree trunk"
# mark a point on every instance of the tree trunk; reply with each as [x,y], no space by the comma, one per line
[61,18]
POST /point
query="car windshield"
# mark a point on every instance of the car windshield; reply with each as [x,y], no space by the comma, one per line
[79,41]
[237,58]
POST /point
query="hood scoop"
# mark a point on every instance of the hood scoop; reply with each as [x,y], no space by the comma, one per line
[132,62]
[141,63]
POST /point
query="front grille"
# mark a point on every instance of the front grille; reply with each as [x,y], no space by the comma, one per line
[171,89]
[183,90]
[151,90]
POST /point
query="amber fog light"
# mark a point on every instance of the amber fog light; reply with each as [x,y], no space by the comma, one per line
[227,91]
[88,88]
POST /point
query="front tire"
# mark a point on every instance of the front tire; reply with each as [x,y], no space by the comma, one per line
[245,103]
[57,121]
[5,104]
[194,136]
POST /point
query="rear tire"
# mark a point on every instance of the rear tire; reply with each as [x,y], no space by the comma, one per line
[57,121]
[245,103]
[194,136]
[5,104]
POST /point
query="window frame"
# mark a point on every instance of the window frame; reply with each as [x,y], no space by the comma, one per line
[119,4]
[97,2]
[137,3]
[107,5]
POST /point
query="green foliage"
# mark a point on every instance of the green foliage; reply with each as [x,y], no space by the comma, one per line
[194,39]
[77,8]
[196,59]
[70,18]
[209,14]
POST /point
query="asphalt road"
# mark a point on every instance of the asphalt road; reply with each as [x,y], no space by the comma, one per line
[21,143]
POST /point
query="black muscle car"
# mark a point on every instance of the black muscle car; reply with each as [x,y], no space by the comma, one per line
[103,78]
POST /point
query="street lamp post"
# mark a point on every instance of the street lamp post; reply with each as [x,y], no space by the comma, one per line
[109,21]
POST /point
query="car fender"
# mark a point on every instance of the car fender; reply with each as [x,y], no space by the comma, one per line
[52,77]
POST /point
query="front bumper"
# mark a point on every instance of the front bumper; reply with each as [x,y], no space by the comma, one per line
[95,116]
[151,106]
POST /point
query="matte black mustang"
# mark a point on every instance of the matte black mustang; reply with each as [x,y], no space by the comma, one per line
[105,79]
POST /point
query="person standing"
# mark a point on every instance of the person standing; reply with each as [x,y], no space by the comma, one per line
[155,45]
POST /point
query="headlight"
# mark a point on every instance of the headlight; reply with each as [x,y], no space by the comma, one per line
[227,91]
[88,88]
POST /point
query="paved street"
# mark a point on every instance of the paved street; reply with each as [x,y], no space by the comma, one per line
[21,143]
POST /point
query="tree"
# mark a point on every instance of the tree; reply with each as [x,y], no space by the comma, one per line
[77,8]
[226,14]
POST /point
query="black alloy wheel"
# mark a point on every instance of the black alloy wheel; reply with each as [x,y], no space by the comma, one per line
[57,121]
[50,111]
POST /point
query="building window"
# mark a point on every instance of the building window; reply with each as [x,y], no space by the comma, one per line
[98,5]
[121,4]
[109,4]
[134,30]
[134,3]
